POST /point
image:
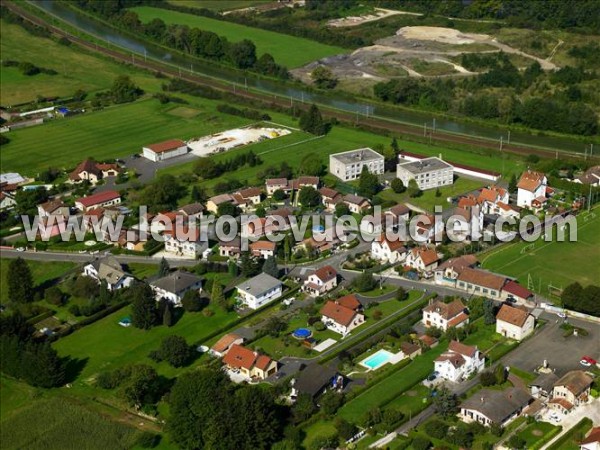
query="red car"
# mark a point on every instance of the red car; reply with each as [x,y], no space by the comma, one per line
[588,361]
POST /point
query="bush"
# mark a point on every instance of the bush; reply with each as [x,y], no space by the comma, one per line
[54,296]
[436,429]
[420,443]
[74,309]
[319,326]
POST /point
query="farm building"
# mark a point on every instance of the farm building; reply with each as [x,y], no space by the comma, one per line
[165,150]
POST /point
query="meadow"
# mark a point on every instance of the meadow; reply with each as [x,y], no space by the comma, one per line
[77,69]
[218,5]
[558,263]
[288,50]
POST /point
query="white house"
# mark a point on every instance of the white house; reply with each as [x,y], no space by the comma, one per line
[342,315]
[263,249]
[259,291]
[481,282]
[356,204]
[54,207]
[348,165]
[187,243]
[174,286]
[330,198]
[591,441]
[514,323]
[445,315]
[422,259]
[494,407]
[321,281]
[531,186]
[570,391]
[165,150]
[459,362]
[108,269]
[390,251]
[490,197]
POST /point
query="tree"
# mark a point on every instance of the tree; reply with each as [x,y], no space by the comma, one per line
[312,122]
[368,183]
[124,90]
[364,282]
[436,429]
[163,194]
[445,402]
[438,193]
[398,186]
[143,307]
[311,165]
[274,326]
[54,296]
[501,374]
[331,401]
[20,281]
[279,195]
[143,386]
[487,378]
[516,442]
[163,268]
[303,408]
[243,54]
[227,209]
[489,312]
[248,265]
[207,168]
[85,287]
[168,315]
[260,211]
[323,77]
[401,294]
[309,197]
[217,297]
[413,189]
[270,267]
[345,429]
[420,443]
[192,302]
[341,209]
[198,195]
[174,350]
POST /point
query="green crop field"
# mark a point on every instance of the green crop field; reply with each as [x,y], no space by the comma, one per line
[113,132]
[556,263]
[288,50]
[76,68]
[218,5]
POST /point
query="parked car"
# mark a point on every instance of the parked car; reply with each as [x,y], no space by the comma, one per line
[555,417]
[587,361]
[562,315]
[20,249]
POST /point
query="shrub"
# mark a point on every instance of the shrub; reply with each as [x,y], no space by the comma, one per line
[420,443]
[436,429]
[319,326]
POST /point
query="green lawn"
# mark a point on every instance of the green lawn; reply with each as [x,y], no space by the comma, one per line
[41,272]
[76,68]
[114,132]
[429,200]
[288,50]
[218,5]
[537,433]
[568,441]
[558,263]
[142,271]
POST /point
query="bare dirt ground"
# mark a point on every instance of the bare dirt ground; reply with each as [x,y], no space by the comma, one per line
[395,56]
[380,13]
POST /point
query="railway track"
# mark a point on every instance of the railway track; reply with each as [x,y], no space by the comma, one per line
[439,137]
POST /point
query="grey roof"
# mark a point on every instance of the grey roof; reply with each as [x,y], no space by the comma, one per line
[545,381]
[314,378]
[192,208]
[425,165]
[109,269]
[260,284]
[177,282]
[498,406]
[358,155]
[355,199]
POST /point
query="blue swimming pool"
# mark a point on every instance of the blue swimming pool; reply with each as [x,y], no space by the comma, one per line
[302,333]
[377,359]
[318,229]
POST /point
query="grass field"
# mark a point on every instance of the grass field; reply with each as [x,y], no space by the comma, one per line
[218,5]
[288,50]
[558,263]
[40,271]
[114,132]
[76,68]
[537,433]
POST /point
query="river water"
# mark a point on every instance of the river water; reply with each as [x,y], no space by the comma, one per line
[145,49]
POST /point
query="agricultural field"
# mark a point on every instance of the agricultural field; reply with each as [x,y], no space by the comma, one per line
[116,131]
[288,50]
[219,5]
[76,69]
[558,263]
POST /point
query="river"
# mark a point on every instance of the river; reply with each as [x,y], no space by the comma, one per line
[147,50]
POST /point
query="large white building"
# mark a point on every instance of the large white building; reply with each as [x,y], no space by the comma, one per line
[459,362]
[348,165]
[165,150]
[259,291]
[514,323]
[429,173]
[531,186]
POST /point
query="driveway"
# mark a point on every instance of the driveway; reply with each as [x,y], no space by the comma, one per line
[591,410]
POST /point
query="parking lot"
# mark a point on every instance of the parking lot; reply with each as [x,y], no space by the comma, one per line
[563,354]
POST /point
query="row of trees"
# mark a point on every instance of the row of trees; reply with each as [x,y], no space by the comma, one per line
[585,300]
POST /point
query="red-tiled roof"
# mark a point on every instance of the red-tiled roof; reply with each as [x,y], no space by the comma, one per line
[97,199]
[466,350]
[262,362]
[166,146]
[223,344]
[250,192]
[263,245]
[462,317]
[594,436]
[514,288]
[394,245]
[276,181]
[349,301]
[427,255]
[530,180]
[514,316]
[562,402]
[239,356]
[399,210]
[325,273]
[338,313]
[482,278]
[328,192]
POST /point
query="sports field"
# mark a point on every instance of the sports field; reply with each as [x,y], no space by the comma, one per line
[114,132]
[555,263]
[76,68]
[288,50]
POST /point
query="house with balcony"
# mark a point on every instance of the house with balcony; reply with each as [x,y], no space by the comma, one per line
[459,362]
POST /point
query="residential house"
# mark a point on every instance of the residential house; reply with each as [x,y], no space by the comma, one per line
[398,213]
[192,211]
[287,186]
[591,441]
[263,249]
[590,176]
[231,249]
[495,407]
[54,207]
[259,291]
[447,272]
[464,223]
[174,286]
[164,150]
[423,259]
[514,323]
[7,195]
[321,281]
[343,314]
[459,362]
[249,196]
[445,315]
[506,210]
[490,197]
[130,240]
[317,379]
[388,251]
[275,184]
[102,199]
[249,363]
[108,270]
[531,185]
[410,350]
[330,198]
[93,171]
[427,228]
[356,204]
[481,282]
[185,242]
[212,204]
[541,388]
[428,173]
[372,224]
[304,181]
[349,165]
[572,390]
[224,344]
